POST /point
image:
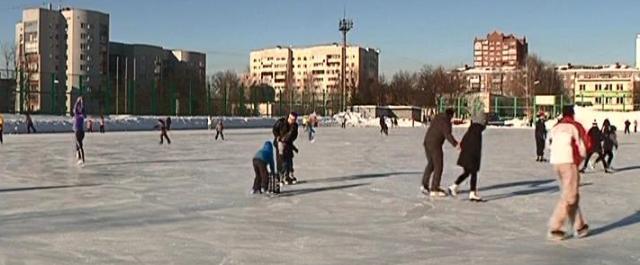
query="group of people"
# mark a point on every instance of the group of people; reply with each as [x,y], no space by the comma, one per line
[602,142]
[470,149]
[285,133]
[570,144]
[627,125]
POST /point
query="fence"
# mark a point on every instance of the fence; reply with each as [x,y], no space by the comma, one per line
[187,97]
[500,106]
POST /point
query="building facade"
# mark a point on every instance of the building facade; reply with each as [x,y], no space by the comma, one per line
[604,87]
[314,69]
[145,79]
[87,54]
[499,50]
[41,60]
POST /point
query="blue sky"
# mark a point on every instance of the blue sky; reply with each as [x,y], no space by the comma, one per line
[409,33]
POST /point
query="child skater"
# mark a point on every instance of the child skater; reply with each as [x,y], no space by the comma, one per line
[78,129]
[263,157]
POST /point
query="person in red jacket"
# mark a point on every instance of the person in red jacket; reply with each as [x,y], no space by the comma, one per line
[569,146]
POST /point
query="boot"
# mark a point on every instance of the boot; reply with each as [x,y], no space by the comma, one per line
[437,192]
[474,197]
[453,190]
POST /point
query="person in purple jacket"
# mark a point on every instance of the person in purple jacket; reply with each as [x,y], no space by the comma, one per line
[78,128]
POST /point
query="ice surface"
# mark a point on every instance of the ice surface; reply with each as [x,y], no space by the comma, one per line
[137,202]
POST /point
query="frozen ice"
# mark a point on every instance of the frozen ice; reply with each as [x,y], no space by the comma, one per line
[359,202]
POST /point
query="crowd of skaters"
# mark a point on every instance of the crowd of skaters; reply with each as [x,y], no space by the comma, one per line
[571,149]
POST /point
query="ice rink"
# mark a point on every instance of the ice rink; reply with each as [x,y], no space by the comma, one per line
[136,202]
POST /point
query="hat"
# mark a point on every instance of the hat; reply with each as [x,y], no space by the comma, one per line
[568,111]
[479,117]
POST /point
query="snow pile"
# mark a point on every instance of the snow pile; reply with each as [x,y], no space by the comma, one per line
[54,124]
[355,119]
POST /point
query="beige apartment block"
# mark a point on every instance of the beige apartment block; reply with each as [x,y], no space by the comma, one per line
[41,58]
[603,87]
[313,69]
[87,52]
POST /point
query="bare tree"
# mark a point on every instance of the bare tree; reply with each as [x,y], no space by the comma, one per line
[9,56]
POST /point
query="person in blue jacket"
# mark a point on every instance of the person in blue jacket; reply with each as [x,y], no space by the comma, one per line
[263,157]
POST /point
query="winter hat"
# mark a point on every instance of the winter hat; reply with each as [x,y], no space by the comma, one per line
[568,111]
[479,117]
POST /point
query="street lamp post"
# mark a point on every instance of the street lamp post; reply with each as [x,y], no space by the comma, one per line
[344,26]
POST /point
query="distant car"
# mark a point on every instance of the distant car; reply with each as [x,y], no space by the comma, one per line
[494,120]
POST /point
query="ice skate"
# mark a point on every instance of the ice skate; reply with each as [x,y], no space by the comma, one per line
[424,190]
[583,231]
[556,235]
[438,193]
[80,163]
[453,190]
[293,179]
[474,197]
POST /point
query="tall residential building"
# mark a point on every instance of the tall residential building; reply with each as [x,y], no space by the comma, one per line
[145,79]
[498,50]
[314,69]
[605,87]
[87,53]
[41,60]
[638,51]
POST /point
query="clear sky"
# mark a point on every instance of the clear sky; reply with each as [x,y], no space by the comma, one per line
[409,33]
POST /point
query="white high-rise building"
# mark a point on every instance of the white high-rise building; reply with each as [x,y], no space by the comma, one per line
[638,51]
[87,53]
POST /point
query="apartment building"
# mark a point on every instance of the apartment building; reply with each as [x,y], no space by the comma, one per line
[605,87]
[314,69]
[41,47]
[499,50]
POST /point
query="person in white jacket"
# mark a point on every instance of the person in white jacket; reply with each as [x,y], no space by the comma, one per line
[569,144]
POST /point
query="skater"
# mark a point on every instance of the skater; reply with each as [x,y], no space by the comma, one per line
[311,124]
[101,124]
[627,125]
[90,125]
[163,131]
[383,126]
[30,126]
[395,122]
[285,131]
[168,123]
[609,141]
[470,155]
[1,128]
[210,123]
[595,136]
[263,157]
[541,137]
[439,130]
[569,145]
[344,123]
[78,128]
[219,129]
[635,126]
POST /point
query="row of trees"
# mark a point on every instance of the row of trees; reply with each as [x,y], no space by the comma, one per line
[424,87]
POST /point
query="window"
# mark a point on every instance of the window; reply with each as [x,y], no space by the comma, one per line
[619,87]
[598,86]
[82,57]
[583,87]
[620,100]
[81,25]
[598,100]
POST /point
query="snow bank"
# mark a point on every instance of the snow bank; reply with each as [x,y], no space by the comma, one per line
[54,124]
[355,119]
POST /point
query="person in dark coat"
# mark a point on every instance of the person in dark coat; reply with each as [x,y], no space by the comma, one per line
[163,131]
[439,130]
[383,126]
[262,158]
[285,132]
[609,141]
[596,146]
[30,126]
[541,137]
[168,123]
[627,127]
[219,129]
[470,155]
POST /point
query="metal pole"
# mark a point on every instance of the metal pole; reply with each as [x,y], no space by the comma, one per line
[53,93]
[117,85]
[515,107]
